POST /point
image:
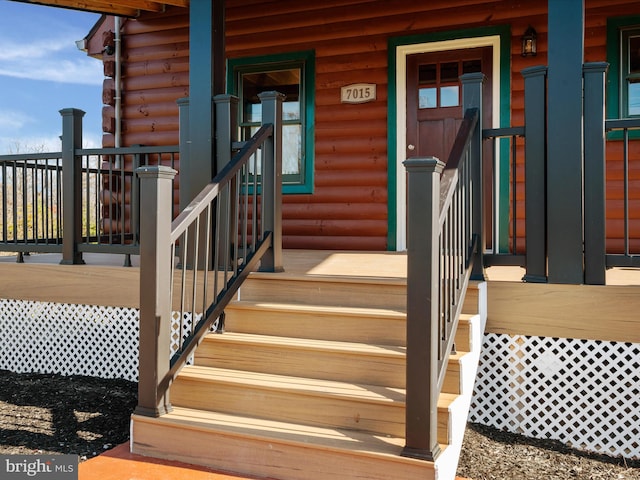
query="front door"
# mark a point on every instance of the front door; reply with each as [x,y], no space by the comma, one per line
[434,108]
[434,98]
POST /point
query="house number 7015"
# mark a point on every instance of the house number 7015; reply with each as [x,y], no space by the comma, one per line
[358,93]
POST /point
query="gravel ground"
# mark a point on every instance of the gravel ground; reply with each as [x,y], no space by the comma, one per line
[86,416]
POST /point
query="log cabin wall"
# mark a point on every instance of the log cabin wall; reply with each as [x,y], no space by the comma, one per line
[348,208]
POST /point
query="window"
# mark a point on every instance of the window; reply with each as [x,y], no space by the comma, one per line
[623,76]
[630,72]
[292,75]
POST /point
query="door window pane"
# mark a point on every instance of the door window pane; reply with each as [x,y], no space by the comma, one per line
[471,66]
[449,96]
[428,98]
[449,72]
[427,74]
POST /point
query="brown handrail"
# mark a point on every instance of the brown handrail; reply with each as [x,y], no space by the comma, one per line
[443,243]
[219,238]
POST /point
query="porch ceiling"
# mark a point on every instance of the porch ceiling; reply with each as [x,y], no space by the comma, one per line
[123,8]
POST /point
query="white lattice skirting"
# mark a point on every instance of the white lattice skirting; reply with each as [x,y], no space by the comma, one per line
[75,339]
[583,393]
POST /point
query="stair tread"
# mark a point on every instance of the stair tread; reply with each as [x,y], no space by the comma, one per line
[309,386]
[318,309]
[249,339]
[321,437]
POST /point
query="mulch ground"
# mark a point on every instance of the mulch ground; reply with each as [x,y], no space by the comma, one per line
[86,416]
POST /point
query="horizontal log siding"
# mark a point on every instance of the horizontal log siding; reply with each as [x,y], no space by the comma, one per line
[348,209]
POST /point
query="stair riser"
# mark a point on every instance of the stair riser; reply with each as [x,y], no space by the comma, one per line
[311,409]
[378,330]
[324,292]
[299,362]
[336,366]
[252,456]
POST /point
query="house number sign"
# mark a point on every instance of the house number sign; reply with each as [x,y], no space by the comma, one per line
[358,93]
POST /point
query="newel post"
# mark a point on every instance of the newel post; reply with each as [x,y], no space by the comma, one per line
[226,108]
[595,248]
[472,86]
[423,212]
[184,150]
[156,263]
[272,181]
[71,186]
[535,154]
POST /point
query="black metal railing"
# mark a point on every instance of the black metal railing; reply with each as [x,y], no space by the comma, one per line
[31,210]
[233,225]
[76,200]
[444,251]
[626,251]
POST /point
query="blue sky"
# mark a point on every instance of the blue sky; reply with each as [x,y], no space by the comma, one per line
[41,72]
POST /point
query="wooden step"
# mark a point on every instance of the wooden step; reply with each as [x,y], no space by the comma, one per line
[300,400]
[321,359]
[325,360]
[344,291]
[377,326]
[310,401]
[274,449]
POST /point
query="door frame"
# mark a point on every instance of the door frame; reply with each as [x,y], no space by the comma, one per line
[499,38]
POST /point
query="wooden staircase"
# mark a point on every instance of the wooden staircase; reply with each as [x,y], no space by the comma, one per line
[308,383]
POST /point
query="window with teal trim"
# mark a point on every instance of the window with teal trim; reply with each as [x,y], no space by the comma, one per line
[623,77]
[291,75]
[630,72]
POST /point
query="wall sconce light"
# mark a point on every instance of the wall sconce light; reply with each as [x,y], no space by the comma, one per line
[529,43]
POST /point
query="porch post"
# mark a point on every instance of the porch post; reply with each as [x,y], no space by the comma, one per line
[206,78]
[423,254]
[156,264]
[71,186]
[535,120]
[272,181]
[595,254]
[472,85]
[564,143]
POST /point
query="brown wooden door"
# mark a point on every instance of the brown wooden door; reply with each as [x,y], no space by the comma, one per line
[434,98]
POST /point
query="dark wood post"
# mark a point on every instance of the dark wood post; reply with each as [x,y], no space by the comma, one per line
[565,226]
[595,254]
[272,181]
[423,255]
[472,86]
[156,192]
[184,139]
[535,121]
[226,108]
[71,186]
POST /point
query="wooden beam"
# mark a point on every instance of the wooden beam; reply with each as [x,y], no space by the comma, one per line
[124,8]
[111,8]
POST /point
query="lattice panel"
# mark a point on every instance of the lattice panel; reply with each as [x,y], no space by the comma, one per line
[76,339]
[584,393]
[69,339]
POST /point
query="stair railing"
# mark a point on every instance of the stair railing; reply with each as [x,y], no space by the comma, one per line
[191,268]
[445,241]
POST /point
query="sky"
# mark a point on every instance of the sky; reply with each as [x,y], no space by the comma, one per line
[41,72]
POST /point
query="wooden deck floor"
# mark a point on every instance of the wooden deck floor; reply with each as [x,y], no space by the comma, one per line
[570,311]
[104,281]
